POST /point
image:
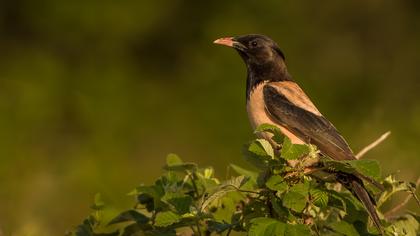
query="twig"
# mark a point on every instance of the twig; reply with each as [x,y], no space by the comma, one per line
[198,227]
[372,145]
[192,177]
[398,207]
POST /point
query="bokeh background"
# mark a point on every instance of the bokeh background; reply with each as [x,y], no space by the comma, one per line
[94,94]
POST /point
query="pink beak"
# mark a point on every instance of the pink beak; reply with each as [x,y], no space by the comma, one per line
[227,41]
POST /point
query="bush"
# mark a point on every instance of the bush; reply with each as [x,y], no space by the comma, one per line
[276,199]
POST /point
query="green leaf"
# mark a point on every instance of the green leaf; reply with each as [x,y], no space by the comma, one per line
[392,186]
[367,167]
[294,201]
[130,215]
[296,197]
[237,182]
[279,208]
[344,228]
[166,218]
[262,226]
[214,196]
[335,200]
[181,204]
[343,166]
[405,225]
[174,163]
[267,147]
[85,229]
[276,183]
[355,211]
[256,154]
[224,207]
[173,160]
[277,135]
[253,175]
[267,128]
[98,203]
[291,151]
[132,230]
[147,201]
[301,188]
[261,147]
[229,186]
[208,173]
[297,230]
[144,193]
[181,167]
[319,197]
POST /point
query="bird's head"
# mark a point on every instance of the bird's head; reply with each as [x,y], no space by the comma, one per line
[254,49]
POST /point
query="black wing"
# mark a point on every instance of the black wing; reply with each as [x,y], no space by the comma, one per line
[309,127]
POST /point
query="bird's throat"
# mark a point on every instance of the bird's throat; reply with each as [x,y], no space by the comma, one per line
[269,72]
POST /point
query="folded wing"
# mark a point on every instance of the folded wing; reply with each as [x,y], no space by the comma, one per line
[285,102]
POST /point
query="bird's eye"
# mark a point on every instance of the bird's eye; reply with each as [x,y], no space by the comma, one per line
[254,43]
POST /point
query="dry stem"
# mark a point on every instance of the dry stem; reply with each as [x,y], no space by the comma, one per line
[372,145]
[398,207]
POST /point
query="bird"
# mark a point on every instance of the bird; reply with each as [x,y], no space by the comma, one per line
[273,97]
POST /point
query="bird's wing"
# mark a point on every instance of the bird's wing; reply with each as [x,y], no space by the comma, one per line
[289,106]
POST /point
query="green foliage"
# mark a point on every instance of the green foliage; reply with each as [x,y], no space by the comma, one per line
[277,198]
[291,151]
[365,167]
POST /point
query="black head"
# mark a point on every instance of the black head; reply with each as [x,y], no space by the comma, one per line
[262,56]
[253,48]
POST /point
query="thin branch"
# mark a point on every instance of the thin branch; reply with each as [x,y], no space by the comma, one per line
[192,176]
[372,145]
[398,207]
[198,227]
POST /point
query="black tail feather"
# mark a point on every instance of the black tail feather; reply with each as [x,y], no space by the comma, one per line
[355,185]
[366,200]
[371,181]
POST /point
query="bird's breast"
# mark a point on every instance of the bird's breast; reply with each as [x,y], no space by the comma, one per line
[255,107]
[258,114]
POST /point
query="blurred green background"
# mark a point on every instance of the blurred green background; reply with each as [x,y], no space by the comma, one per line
[94,94]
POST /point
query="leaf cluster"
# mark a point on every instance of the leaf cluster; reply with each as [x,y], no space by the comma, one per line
[291,190]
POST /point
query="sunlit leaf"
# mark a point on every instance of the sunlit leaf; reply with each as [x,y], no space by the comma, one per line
[181,204]
[173,159]
[166,218]
[98,203]
[343,228]
[276,183]
[291,151]
[266,227]
[253,175]
[274,130]
[266,146]
[296,197]
[367,167]
[405,225]
[297,230]
[294,201]
[267,128]
[229,186]
[319,197]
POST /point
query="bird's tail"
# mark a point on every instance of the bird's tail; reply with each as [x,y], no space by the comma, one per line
[355,185]
[365,198]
